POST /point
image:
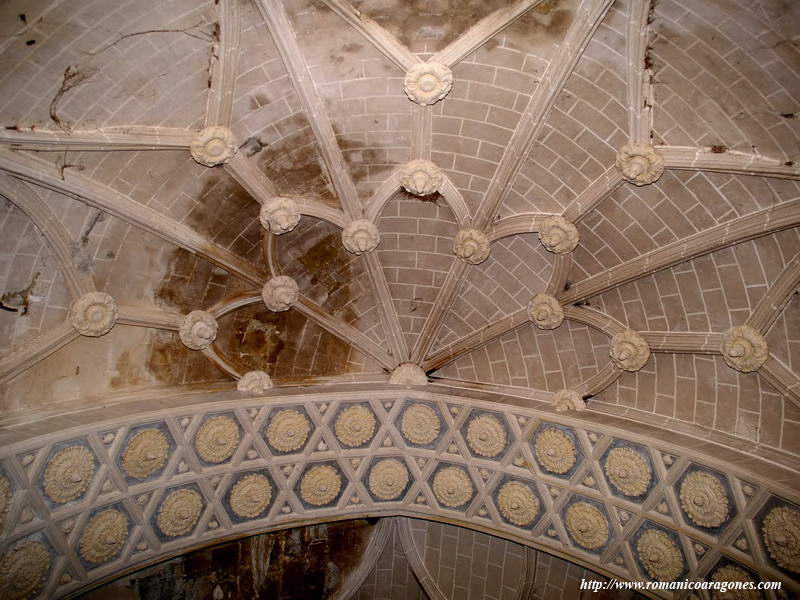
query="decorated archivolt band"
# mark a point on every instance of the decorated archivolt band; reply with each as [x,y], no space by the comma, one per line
[303,465]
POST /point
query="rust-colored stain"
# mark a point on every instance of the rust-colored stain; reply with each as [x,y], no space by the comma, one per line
[294,564]
[286,344]
[294,164]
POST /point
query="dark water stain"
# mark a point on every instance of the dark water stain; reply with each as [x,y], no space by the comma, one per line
[19,300]
[293,564]
[294,164]
[436,24]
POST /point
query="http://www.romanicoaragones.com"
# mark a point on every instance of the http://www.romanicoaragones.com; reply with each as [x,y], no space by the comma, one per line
[721,586]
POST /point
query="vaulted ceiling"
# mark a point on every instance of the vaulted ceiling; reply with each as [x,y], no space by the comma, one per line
[143,146]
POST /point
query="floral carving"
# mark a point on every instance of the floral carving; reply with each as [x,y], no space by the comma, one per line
[178,514]
[254,382]
[360,237]
[288,430]
[320,485]
[518,503]
[217,439]
[555,451]
[545,311]
[421,177]
[704,499]
[198,330]
[427,83]
[744,349]
[628,471]
[213,146]
[471,245]
[388,479]
[659,555]
[280,293]
[733,574]
[104,536]
[408,374]
[279,215]
[355,426]
[564,400]
[146,453]
[452,486]
[420,424]
[558,235]
[5,500]
[640,163]
[68,474]
[486,435]
[629,351]
[93,314]
[587,525]
[781,531]
[251,495]
[23,570]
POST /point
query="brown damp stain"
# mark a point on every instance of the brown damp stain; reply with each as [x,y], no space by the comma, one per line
[551,22]
[128,373]
[418,22]
[295,165]
[224,209]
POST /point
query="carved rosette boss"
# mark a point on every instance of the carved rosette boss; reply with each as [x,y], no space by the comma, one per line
[427,83]
[732,573]
[639,163]
[213,146]
[23,570]
[104,536]
[146,453]
[280,293]
[68,474]
[320,485]
[587,525]
[744,349]
[198,330]
[558,235]
[388,479]
[486,436]
[781,531]
[420,424]
[471,245]
[704,499]
[452,486]
[217,439]
[627,471]
[555,451]
[251,495]
[564,400]
[354,426]
[408,374]
[93,314]
[279,215]
[254,382]
[518,503]
[288,430]
[629,351]
[659,555]
[545,311]
[360,237]
[421,177]
[179,512]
